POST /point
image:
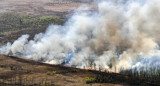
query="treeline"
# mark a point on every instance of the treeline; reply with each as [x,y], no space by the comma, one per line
[149,77]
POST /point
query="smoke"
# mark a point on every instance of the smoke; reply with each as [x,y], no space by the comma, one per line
[116,36]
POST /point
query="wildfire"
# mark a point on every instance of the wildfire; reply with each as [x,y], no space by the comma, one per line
[106,71]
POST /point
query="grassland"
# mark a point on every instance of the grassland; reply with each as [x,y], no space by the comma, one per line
[56,8]
[22,72]
[14,25]
[19,17]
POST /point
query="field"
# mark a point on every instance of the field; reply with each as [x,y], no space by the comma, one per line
[15,25]
[21,72]
[38,7]
[18,17]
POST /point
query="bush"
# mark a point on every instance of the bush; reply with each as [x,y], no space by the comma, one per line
[49,73]
[90,80]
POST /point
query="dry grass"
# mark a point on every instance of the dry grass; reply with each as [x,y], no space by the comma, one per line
[32,72]
[40,7]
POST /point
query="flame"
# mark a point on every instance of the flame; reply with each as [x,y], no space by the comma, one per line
[107,71]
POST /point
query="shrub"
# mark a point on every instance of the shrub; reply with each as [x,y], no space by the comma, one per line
[90,80]
[49,73]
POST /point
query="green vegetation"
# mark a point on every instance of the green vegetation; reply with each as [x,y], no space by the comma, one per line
[51,73]
[90,80]
[12,26]
[100,79]
[16,21]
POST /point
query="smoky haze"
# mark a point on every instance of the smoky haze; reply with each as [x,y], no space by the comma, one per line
[116,36]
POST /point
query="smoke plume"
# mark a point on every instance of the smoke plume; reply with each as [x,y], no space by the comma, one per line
[116,36]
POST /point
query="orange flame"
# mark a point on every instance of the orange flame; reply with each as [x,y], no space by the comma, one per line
[102,71]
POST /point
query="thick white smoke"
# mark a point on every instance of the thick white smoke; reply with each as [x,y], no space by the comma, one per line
[116,36]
